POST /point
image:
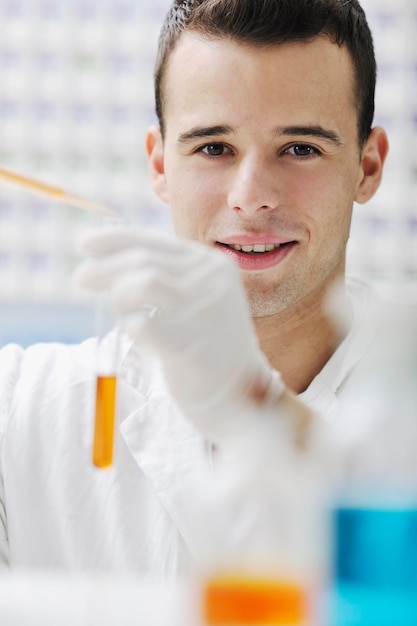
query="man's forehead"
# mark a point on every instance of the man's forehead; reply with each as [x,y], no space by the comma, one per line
[201,63]
[194,45]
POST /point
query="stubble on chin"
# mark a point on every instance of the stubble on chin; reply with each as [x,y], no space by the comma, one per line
[265,303]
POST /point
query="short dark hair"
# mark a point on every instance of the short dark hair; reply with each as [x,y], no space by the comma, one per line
[273,22]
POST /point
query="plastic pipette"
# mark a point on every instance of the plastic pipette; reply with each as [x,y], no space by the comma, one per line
[59,195]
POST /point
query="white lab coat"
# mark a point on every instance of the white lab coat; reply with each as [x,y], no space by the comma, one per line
[57,510]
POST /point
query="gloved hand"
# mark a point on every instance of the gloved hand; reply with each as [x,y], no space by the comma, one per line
[186,302]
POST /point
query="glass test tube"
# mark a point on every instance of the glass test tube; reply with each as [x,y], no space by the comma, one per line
[105,407]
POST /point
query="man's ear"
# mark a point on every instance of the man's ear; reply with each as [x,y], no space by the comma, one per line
[373,157]
[155,150]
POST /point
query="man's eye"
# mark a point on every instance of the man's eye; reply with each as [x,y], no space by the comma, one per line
[213,149]
[302,150]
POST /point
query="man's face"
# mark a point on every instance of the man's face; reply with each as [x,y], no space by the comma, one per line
[261,160]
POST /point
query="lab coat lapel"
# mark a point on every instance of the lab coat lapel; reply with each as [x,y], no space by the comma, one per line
[164,444]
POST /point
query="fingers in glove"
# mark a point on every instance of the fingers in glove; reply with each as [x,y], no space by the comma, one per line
[99,274]
[169,290]
[180,257]
[109,240]
[150,288]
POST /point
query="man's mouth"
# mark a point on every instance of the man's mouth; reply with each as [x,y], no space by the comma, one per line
[255,256]
[257,248]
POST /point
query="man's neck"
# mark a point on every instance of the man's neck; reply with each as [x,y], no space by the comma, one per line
[298,342]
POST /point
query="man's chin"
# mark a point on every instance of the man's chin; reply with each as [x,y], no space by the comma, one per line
[273,300]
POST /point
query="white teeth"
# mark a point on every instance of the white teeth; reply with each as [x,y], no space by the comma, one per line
[257,247]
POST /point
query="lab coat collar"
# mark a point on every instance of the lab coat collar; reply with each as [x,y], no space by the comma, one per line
[322,394]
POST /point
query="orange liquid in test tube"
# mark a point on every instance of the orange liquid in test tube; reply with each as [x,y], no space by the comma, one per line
[243,601]
[104,421]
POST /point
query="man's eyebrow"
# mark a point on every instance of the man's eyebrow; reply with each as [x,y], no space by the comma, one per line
[200,132]
[309,131]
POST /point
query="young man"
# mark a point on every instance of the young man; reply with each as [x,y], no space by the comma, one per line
[264,142]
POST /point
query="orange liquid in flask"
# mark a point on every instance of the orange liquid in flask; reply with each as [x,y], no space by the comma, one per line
[239,601]
[104,421]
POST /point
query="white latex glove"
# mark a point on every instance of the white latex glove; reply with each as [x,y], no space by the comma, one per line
[199,322]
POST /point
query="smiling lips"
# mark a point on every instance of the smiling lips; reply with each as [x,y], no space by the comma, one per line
[257,256]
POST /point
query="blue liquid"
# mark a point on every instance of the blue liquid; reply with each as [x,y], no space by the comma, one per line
[375,567]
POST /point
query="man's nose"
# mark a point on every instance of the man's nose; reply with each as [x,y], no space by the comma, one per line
[254,186]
